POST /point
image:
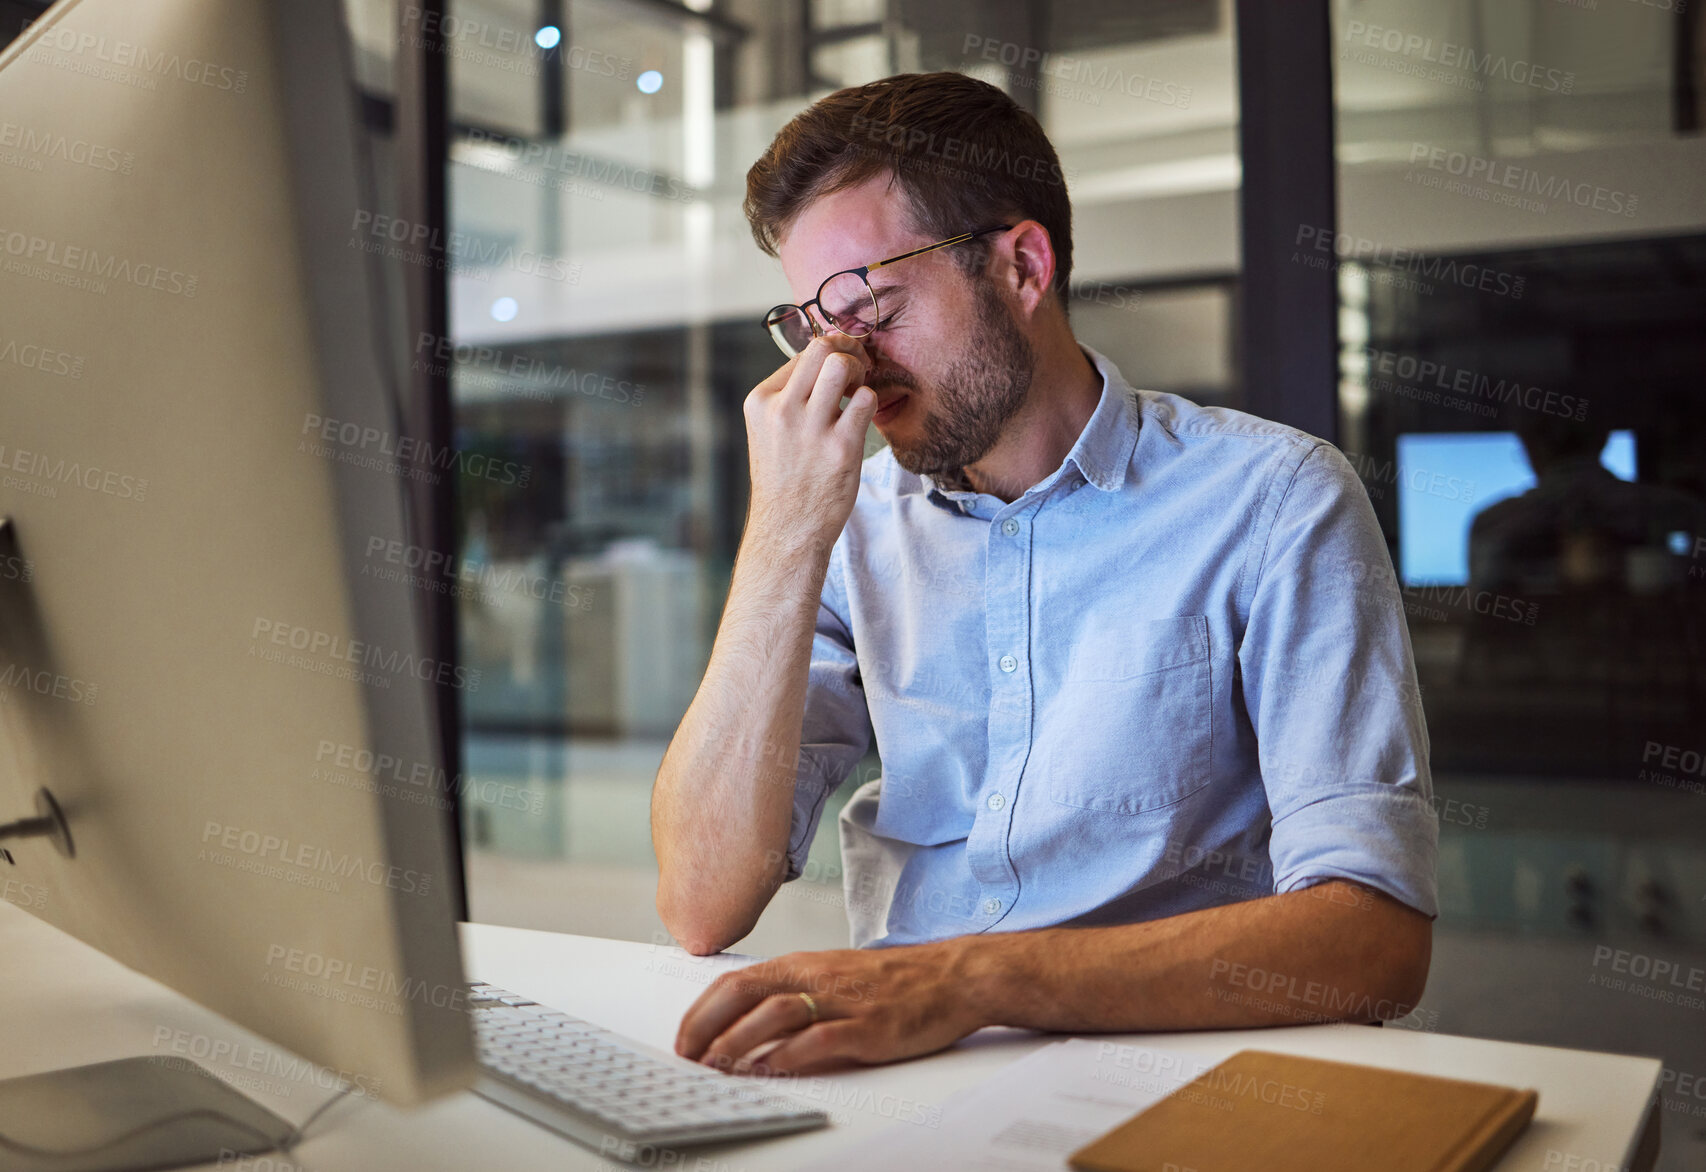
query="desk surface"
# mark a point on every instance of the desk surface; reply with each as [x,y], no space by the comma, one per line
[64,1004]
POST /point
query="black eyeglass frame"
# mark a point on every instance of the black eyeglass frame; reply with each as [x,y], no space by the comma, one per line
[772,322]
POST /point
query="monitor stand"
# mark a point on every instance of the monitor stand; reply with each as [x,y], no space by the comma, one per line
[129,1116]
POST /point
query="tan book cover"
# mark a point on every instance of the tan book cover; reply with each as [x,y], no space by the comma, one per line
[1283,1113]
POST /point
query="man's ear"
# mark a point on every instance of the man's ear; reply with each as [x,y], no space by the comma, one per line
[1030,277]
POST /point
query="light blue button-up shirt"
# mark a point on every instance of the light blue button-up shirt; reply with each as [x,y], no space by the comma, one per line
[1175,673]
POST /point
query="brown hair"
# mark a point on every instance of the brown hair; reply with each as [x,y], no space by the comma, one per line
[964,153]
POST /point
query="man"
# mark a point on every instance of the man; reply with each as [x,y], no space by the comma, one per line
[1128,662]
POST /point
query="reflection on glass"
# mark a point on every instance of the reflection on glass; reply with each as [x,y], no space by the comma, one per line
[1517,188]
[1582,521]
[1448,484]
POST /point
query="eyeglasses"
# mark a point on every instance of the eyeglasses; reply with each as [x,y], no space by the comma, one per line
[846,301]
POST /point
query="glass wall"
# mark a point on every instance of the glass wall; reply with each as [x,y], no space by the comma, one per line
[605,301]
[1522,274]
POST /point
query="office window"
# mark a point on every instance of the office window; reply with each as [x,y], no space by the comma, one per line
[1519,266]
[604,309]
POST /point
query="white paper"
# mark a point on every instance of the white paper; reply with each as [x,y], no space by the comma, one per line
[1033,1114]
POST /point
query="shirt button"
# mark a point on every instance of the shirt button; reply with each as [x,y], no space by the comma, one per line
[1008,663]
[1009,526]
[996,801]
[991,906]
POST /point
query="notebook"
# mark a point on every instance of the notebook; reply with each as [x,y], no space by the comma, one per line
[1283,1113]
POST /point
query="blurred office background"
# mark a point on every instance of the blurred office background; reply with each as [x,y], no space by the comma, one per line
[1520,257]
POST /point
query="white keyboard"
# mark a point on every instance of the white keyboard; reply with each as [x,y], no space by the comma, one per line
[607,1092]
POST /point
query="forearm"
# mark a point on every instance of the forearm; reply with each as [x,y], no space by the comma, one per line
[723,802]
[1334,951]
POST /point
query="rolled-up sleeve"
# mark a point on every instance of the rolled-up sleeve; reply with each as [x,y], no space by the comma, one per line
[836,729]
[1329,681]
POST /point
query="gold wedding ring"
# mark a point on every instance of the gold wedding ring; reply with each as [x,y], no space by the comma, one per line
[811,1005]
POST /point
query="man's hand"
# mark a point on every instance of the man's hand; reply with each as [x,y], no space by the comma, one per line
[804,449]
[874,1005]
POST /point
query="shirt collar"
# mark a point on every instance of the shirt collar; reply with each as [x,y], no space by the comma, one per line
[1102,453]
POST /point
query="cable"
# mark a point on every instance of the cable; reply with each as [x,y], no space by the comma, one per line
[285,1145]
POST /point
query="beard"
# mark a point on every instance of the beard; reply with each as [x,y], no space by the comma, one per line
[982,389]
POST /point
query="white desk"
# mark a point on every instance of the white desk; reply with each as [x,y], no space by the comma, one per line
[64,1004]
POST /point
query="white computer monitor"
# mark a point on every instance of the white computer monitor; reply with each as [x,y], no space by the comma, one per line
[203,440]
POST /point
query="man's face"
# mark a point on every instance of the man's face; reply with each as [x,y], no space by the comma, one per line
[950,363]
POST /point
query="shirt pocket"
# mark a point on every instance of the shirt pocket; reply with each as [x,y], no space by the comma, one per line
[1134,718]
